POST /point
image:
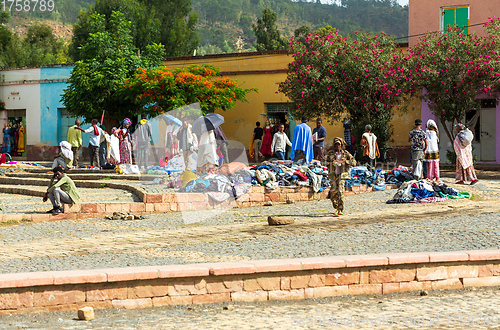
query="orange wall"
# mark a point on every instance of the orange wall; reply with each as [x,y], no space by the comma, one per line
[265,72]
[424,15]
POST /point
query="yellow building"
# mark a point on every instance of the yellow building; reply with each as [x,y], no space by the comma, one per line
[264,71]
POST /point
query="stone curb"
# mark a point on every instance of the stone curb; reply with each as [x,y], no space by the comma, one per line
[248,281]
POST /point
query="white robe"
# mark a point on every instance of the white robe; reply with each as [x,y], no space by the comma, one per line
[207,150]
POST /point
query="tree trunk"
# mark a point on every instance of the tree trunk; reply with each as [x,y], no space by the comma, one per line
[109,123]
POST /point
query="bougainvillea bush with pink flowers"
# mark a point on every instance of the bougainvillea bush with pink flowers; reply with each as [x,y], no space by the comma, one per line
[454,69]
[363,76]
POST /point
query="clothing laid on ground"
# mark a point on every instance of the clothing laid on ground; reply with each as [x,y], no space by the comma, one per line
[302,140]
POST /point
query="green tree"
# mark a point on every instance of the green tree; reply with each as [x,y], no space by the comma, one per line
[109,59]
[42,47]
[144,27]
[454,68]
[171,89]
[332,75]
[266,32]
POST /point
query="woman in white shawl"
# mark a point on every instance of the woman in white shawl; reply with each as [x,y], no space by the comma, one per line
[432,152]
[463,149]
[65,157]
[208,160]
[188,143]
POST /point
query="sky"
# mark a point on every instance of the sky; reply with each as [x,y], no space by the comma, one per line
[403,2]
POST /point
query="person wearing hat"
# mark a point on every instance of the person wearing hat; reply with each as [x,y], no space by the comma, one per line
[338,161]
[61,190]
[418,141]
[370,146]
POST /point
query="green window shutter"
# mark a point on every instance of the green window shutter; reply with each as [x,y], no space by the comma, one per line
[463,18]
[448,18]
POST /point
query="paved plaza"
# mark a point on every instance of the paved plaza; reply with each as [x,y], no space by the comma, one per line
[368,226]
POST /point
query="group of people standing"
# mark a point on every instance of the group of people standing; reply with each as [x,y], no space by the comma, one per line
[306,143]
[13,141]
[113,149]
[425,152]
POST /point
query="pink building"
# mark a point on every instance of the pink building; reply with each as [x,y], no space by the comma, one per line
[435,15]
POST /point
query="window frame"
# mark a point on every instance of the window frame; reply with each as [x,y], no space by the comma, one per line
[441,20]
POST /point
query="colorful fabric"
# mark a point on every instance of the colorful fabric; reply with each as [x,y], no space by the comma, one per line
[464,154]
[251,147]
[6,140]
[302,140]
[125,148]
[432,169]
[417,137]
[430,200]
[265,149]
[465,174]
[20,143]
[126,121]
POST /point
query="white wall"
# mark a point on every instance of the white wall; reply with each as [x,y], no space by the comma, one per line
[20,89]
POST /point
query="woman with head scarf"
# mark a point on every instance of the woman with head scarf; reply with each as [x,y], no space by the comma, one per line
[463,150]
[338,161]
[432,152]
[123,134]
[65,157]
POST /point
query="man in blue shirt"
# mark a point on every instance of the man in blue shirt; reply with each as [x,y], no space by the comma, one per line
[302,142]
[319,136]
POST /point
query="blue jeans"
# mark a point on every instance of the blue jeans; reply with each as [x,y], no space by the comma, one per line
[280,155]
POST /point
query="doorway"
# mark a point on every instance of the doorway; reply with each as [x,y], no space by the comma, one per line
[483,124]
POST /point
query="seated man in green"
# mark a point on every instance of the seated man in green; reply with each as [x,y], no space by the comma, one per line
[61,190]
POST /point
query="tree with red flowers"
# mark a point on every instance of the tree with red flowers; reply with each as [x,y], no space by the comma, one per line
[160,89]
[363,75]
[455,68]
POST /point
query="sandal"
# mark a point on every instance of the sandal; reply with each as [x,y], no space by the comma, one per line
[459,182]
[474,182]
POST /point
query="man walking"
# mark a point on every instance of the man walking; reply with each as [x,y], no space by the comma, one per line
[143,135]
[75,139]
[302,146]
[418,141]
[319,136]
[257,140]
[95,134]
[61,190]
[280,141]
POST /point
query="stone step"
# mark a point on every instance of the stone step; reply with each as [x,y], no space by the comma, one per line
[87,176]
[19,182]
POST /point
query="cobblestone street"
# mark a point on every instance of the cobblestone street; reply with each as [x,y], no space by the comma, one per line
[453,309]
[368,226]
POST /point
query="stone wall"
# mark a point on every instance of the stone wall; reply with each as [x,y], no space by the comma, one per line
[249,281]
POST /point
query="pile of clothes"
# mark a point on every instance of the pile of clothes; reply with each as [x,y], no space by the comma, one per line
[376,178]
[425,191]
[274,175]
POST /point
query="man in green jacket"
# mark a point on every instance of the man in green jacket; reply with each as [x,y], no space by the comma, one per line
[61,190]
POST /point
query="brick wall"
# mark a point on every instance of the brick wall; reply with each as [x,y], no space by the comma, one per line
[249,281]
